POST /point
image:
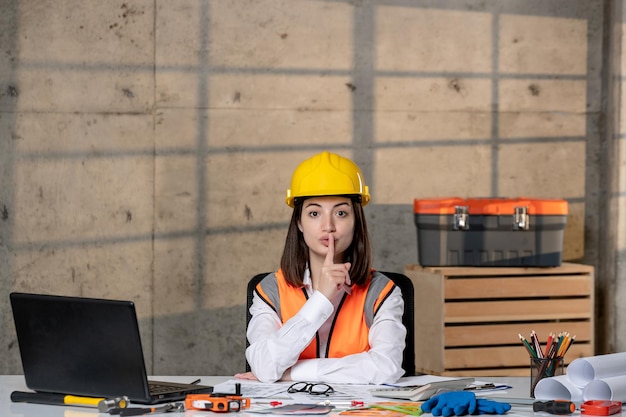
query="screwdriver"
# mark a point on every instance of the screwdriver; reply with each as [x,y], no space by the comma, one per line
[555,406]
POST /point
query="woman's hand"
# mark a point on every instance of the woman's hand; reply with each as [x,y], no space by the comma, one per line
[250,376]
[334,276]
[246,375]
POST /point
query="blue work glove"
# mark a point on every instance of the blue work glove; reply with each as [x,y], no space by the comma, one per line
[451,403]
[491,407]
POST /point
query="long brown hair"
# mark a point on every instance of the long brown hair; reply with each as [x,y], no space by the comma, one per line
[296,253]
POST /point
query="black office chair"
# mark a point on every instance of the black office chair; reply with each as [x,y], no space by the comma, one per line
[408,317]
[250,296]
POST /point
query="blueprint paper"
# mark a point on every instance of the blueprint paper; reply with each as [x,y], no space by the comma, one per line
[601,377]
[611,388]
[582,371]
[558,387]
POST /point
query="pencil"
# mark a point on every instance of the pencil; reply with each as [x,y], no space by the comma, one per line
[548,345]
[529,348]
[535,339]
[569,344]
[553,350]
[563,346]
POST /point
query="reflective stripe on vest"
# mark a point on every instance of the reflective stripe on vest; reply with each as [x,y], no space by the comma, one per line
[347,335]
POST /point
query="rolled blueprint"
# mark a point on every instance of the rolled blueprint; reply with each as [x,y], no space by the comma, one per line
[582,371]
[610,388]
[558,387]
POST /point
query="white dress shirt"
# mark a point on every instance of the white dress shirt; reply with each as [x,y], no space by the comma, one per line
[274,347]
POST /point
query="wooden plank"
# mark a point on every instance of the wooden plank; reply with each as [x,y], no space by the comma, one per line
[502,356]
[518,287]
[524,371]
[501,334]
[564,269]
[428,297]
[489,372]
[518,310]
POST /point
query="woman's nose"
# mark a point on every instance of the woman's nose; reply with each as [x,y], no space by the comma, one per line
[329,225]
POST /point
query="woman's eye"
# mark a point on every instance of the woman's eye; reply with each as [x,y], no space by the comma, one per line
[313,214]
[341,213]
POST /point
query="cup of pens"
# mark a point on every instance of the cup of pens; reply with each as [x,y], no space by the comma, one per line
[541,368]
[549,361]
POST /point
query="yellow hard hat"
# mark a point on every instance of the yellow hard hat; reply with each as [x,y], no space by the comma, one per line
[327,174]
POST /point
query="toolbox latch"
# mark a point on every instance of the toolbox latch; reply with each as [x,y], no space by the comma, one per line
[521,219]
[460,218]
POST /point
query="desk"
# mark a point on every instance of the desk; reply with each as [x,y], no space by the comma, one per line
[10,383]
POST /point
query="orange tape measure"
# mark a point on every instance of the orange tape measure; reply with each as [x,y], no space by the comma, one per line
[601,407]
[216,402]
[219,403]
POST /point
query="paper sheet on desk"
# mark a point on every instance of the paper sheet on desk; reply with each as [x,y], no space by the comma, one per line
[278,391]
[408,381]
[480,389]
[254,389]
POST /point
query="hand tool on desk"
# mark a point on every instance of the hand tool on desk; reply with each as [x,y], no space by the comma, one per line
[555,406]
[138,411]
[601,407]
[219,402]
[104,405]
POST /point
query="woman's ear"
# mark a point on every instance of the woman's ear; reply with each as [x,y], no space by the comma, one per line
[300,227]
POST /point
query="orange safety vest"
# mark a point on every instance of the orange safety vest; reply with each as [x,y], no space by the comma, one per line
[355,313]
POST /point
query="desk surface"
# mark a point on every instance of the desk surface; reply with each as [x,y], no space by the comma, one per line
[10,383]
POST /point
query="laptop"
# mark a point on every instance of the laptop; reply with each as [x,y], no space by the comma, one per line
[88,347]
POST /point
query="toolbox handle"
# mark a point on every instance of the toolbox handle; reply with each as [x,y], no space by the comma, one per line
[521,220]
[461,218]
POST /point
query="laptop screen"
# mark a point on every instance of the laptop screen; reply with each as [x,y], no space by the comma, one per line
[80,346]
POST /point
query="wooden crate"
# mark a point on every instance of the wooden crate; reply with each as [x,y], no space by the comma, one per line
[467,319]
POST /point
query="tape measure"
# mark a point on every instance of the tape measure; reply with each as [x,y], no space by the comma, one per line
[601,407]
[219,403]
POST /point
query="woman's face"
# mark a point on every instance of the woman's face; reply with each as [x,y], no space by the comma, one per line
[326,217]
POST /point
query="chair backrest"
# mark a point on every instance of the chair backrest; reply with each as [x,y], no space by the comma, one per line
[249,297]
[408,318]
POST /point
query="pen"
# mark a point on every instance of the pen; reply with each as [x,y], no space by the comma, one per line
[352,403]
[270,403]
[479,387]
[489,386]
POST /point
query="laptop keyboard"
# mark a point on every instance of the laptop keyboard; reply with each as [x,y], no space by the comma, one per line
[156,388]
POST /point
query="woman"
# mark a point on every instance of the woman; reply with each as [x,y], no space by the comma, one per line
[326,315]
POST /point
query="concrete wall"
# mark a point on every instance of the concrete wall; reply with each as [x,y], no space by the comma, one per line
[146,145]
[618,136]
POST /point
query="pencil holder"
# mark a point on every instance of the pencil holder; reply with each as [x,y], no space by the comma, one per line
[544,368]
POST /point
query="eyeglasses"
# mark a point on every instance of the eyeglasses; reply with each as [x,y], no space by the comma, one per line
[313,389]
